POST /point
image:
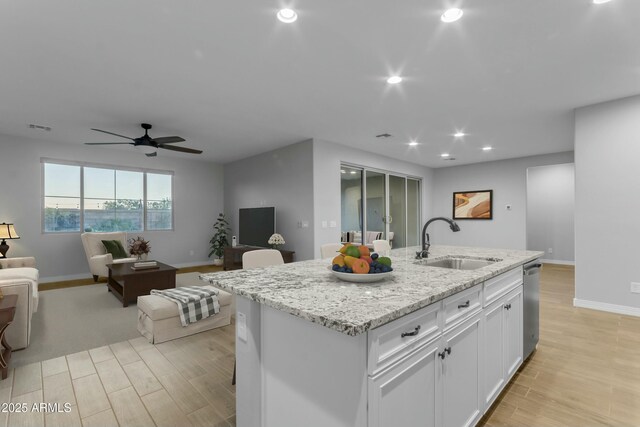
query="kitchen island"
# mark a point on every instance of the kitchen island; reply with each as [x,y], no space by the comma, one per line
[429,345]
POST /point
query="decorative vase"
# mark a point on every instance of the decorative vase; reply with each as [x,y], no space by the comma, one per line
[218,261]
[142,257]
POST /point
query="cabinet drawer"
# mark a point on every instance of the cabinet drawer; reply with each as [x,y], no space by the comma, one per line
[460,306]
[396,339]
[501,285]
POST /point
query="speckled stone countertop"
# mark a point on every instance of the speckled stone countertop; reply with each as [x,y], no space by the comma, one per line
[309,290]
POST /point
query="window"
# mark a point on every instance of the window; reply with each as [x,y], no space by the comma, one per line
[98,198]
[61,197]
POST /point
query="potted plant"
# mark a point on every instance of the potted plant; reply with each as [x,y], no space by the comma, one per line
[139,247]
[219,240]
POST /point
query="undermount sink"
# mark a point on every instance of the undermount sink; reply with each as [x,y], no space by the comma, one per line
[455,263]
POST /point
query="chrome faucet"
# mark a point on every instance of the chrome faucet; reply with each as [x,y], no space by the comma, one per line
[426,243]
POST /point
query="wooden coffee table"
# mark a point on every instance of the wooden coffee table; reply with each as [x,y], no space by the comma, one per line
[128,284]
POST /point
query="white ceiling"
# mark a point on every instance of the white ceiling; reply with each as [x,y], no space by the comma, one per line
[234,81]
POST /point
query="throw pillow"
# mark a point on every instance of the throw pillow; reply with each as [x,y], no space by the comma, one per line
[115,248]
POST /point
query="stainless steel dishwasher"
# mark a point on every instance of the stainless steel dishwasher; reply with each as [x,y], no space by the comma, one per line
[531,307]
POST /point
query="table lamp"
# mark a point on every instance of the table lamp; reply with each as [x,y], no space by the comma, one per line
[7,231]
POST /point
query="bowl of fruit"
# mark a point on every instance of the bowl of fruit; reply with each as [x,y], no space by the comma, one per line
[357,264]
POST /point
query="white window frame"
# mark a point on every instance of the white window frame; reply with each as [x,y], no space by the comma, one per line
[82,165]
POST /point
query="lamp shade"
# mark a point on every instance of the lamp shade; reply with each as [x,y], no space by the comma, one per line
[8,231]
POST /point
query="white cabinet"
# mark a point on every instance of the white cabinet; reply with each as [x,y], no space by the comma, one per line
[461,403]
[408,393]
[436,385]
[445,364]
[502,343]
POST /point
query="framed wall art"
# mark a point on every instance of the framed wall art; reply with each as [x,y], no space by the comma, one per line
[473,204]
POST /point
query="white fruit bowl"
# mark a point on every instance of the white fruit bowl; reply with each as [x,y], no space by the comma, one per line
[361,278]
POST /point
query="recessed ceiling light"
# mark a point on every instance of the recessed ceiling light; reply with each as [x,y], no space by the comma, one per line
[600,1]
[487,148]
[353,172]
[413,143]
[444,155]
[451,15]
[393,80]
[343,171]
[459,134]
[287,15]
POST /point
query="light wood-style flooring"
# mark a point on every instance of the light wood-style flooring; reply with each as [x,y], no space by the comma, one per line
[185,382]
[586,371]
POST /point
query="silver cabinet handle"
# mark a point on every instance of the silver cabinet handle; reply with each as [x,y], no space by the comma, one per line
[411,334]
[465,305]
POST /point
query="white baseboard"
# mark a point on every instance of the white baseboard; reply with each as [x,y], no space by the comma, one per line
[556,261]
[88,275]
[603,306]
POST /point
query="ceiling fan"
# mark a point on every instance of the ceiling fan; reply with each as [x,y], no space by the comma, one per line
[148,143]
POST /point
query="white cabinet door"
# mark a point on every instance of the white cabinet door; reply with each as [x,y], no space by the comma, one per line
[493,348]
[513,332]
[408,393]
[461,404]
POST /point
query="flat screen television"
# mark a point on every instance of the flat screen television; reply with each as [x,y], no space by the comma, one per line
[256,225]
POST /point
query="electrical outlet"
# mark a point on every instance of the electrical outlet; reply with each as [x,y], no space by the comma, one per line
[305,224]
[333,224]
[550,251]
[191,252]
[299,224]
[635,287]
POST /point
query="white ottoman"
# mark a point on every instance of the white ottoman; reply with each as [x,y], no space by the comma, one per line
[159,319]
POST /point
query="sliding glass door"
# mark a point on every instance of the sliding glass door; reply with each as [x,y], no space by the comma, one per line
[391,208]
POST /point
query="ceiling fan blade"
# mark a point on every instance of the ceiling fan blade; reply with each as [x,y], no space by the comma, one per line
[154,154]
[181,149]
[111,133]
[107,143]
[168,139]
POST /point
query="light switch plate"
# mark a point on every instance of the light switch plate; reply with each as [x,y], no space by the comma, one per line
[241,322]
[635,287]
[324,224]
[333,224]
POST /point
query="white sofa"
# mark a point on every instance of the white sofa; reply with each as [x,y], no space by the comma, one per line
[19,276]
[97,256]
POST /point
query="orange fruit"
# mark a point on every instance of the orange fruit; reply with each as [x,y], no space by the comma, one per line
[364,251]
[360,266]
[338,260]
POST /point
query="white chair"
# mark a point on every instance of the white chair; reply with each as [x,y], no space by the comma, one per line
[381,247]
[329,250]
[97,256]
[261,258]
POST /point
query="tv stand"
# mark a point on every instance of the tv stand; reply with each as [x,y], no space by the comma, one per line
[233,256]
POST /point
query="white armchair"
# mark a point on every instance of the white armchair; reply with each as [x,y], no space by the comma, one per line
[19,276]
[97,256]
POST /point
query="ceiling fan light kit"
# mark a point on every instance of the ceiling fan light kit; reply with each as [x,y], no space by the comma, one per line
[148,145]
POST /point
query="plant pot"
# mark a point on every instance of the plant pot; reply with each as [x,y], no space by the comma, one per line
[217,261]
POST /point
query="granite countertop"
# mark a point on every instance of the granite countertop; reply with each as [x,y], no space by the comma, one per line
[309,290]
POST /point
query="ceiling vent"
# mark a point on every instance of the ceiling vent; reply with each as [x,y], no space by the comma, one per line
[45,128]
[383,135]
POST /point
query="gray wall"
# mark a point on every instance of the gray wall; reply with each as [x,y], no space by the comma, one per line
[550,211]
[282,178]
[327,157]
[198,199]
[507,179]
[607,204]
